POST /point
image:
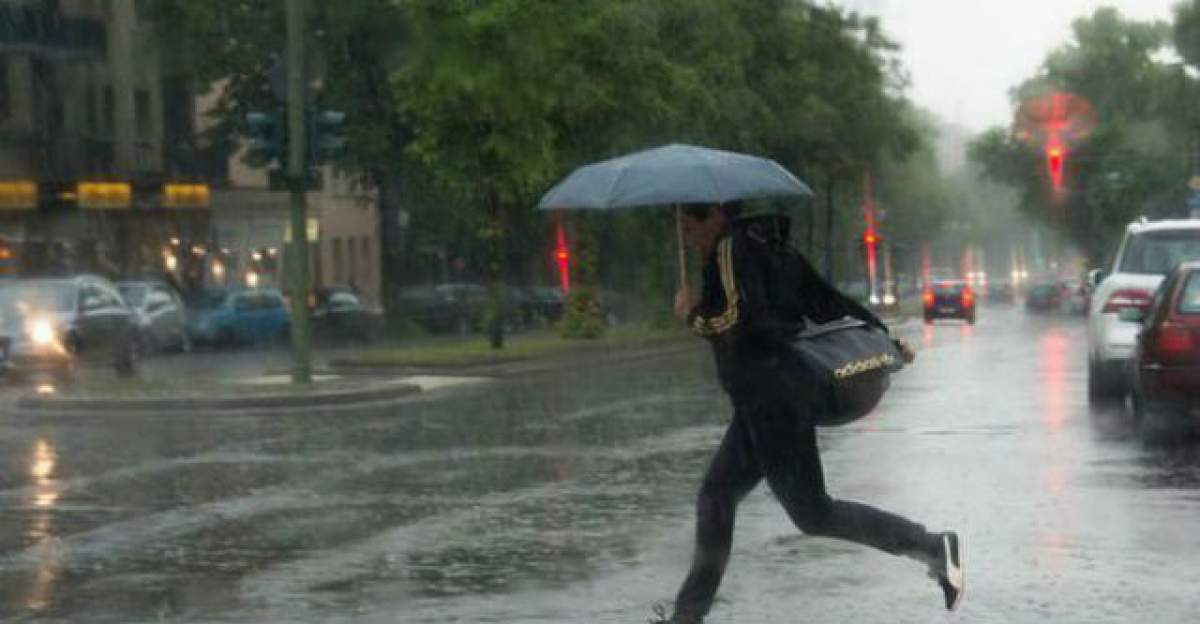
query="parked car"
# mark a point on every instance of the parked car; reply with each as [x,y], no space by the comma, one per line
[1001,292]
[1074,297]
[239,316]
[449,307]
[161,315]
[461,307]
[52,325]
[547,303]
[1148,252]
[949,299]
[1044,297]
[1165,372]
[340,314]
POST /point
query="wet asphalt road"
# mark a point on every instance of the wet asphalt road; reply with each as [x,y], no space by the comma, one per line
[567,498]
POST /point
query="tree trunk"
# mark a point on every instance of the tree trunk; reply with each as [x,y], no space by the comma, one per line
[830,187]
[495,317]
[391,241]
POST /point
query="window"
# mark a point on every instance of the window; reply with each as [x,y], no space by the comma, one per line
[1157,253]
[141,108]
[92,112]
[337,261]
[352,254]
[110,110]
[5,103]
[1189,299]
[366,251]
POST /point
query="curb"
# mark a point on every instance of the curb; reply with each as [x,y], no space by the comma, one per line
[521,366]
[380,392]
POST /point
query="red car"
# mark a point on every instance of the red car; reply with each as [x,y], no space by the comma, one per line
[1166,361]
[949,299]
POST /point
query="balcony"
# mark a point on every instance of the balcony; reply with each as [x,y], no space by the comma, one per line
[37,30]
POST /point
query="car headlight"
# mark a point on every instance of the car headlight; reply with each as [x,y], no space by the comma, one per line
[41,332]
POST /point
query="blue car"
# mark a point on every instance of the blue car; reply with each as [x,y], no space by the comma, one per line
[239,316]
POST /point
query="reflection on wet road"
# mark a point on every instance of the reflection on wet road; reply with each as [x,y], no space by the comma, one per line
[568,498]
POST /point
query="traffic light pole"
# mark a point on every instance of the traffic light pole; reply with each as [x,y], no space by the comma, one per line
[297,167]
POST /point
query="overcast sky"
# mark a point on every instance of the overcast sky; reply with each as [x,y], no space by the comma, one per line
[964,55]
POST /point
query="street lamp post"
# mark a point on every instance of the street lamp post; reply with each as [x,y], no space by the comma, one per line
[297,168]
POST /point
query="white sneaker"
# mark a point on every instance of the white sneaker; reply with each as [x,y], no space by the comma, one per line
[950,574]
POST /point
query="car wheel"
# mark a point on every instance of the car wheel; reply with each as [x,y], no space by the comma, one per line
[226,338]
[1100,387]
[127,361]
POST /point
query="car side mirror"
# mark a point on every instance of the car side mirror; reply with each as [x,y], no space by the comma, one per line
[1131,315]
[1095,276]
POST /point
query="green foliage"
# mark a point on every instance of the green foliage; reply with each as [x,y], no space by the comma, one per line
[465,111]
[1131,163]
[583,318]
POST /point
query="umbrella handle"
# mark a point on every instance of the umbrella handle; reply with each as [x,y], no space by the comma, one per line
[679,245]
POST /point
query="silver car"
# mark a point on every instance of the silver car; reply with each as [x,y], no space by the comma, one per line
[161,315]
[50,325]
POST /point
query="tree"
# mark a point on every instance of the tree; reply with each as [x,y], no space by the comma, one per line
[1131,163]
[233,48]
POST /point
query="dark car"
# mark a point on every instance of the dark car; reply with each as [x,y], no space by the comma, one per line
[51,325]
[1001,293]
[949,299]
[461,307]
[340,314]
[1165,368]
[450,307]
[1045,297]
[547,303]
[161,315]
[239,316]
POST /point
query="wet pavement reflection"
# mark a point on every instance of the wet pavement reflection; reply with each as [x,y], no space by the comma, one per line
[568,498]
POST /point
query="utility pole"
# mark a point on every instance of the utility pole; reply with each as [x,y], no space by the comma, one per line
[297,168]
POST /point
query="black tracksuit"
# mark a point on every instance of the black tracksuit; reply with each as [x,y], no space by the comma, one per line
[757,291]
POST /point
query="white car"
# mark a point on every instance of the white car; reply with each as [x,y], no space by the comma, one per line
[1149,251]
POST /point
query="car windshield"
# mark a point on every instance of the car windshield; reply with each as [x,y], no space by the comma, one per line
[38,297]
[1189,297]
[948,288]
[208,300]
[1157,253]
[134,295]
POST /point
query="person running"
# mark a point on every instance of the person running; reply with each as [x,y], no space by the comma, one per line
[757,291]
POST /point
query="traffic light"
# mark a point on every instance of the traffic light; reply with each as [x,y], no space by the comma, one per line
[1055,154]
[326,139]
[870,238]
[268,137]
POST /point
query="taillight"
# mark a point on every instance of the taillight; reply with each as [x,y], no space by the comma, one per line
[1174,339]
[968,298]
[928,298]
[1129,298]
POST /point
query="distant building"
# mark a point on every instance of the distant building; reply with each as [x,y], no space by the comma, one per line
[102,168]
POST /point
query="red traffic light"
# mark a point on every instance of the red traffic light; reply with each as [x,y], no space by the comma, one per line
[1055,154]
[870,238]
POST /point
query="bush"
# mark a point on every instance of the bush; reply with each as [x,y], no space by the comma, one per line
[583,318]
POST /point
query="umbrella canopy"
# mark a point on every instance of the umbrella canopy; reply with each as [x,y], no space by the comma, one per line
[672,174]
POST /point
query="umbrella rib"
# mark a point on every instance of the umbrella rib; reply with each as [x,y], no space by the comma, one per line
[621,169]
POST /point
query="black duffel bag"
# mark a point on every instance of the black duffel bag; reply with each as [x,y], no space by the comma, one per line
[852,363]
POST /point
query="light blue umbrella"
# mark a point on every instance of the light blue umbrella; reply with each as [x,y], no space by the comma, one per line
[672,174]
[669,176]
